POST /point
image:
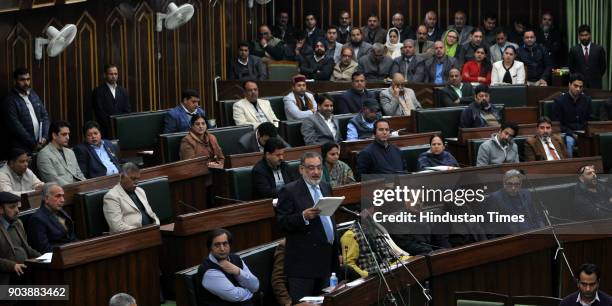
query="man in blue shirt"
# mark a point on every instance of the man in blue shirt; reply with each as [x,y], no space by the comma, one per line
[361,126]
[226,280]
[178,118]
[97,156]
[380,157]
[437,67]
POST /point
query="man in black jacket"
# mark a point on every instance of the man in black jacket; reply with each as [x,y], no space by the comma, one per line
[456,92]
[588,58]
[318,66]
[351,101]
[109,99]
[588,293]
[535,57]
[271,172]
[246,66]
[26,118]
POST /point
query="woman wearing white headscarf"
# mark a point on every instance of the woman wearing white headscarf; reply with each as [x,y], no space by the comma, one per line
[393,43]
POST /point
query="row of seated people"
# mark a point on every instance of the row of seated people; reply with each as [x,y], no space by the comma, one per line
[479,52]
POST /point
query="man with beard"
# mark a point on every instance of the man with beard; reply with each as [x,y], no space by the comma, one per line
[489,23]
[423,48]
[500,148]
[549,36]
[380,157]
[283,29]
[461,27]
[588,58]
[572,110]
[361,126]
[360,48]
[318,66]
[588,289]
[434,33]
[409,65]
[322,127]
[405,31]
[376,66]
[344,27]
[352,99]
[456,92]
[346,67]
[299,103]
[373,33]
[311,32]
[312,243]
[592,199]
[334,48]
[25,116]
[536,60]
[481,112]
[437,67]
[544,145]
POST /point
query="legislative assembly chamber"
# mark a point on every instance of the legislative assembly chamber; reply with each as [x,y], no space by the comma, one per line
[305,152]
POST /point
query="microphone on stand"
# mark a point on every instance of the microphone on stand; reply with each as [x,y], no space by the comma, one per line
[195,209]
[230,199]
[350,212]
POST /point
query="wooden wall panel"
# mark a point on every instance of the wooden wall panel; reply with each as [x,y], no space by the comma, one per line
[116,42]
[144,93]
[18,51]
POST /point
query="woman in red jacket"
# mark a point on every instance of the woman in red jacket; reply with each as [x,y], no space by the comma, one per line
[479,68]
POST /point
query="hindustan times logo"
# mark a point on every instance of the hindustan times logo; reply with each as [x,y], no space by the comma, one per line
[423,195]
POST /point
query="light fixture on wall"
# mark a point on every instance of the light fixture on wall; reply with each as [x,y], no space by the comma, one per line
[56,41]
[174,17]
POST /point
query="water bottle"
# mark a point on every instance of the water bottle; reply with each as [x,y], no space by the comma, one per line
[333,280]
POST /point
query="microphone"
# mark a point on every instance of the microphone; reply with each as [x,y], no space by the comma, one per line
[350,212]
[230,199]
[195,209]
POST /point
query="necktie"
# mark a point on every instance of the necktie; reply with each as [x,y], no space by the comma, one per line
[553,151]
[586,55]
[325,220]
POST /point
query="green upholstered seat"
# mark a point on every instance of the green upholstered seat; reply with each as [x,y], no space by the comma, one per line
[445,119]
[170,146]
[481,298]
[547,105]
[291,131]
[91,203]
[229,137]
[510,95]
[282,71]
[410,155]
[158,195]
[227,112]
[241,183]
[278,107]
[139,130]
[596,108]
[343,120]
[535,301]
[605,149]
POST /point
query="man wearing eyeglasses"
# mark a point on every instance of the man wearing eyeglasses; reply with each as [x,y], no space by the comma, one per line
[500,148]
[267,47]
[312,242]
[226,279]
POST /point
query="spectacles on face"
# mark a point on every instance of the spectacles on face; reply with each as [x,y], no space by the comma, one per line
[220,244]
[313,167]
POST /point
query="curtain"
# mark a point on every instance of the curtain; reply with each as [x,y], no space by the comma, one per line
[597,14]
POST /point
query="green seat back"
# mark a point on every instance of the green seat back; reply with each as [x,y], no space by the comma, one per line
[546,108]
[294,166]
[343,121]
[241,183]
[291,131]
[170,146]
[547,105]
[227,112]
[229,137]
[596,108]
[139,130]
[92,203]
[282,72]
[190,281]
[510,95]
[260,261]
[410,155]
[605,149]
[478,303]
[158,195]
[444,119]
[278,107]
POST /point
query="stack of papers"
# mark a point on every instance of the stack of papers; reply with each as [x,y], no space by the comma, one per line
[45,258]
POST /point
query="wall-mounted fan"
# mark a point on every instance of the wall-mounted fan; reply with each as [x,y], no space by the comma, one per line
[56,41]
[261,2]
[174,17]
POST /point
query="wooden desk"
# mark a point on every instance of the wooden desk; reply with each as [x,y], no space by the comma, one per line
[250,159]
[521,114]
[588,144]
[406,123]
[187,178]
[96,269]
[368,292]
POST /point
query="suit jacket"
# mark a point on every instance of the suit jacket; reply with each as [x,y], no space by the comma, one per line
[291,109]
[517,73]
[105,105]
[594,69]
[53,168]
[391,105]
[320,71]
[430,68]
[45,231]
[89,161]
[315,130]
[121,213]
[413,72]
[7,252]
[351,101]
[245,113]
[448,96]
[379,35]
[307,253]
[264,185]
[18,121]
[570,300]
[249,144]
[177,119]
[534,150]
[426,52]
[364,49]
[255,70]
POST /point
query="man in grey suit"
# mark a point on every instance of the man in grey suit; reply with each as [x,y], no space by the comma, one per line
[409,65]
[377,65]
[321,127]
[456,92]
[437,68]
[496,51]
[373,33]
[56,162]
[398,100]
[423,46]
[360,48]
[460,26]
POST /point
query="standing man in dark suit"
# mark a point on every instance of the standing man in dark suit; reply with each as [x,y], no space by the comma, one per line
[50,225]
[588,58]
[26,118]
[311,253]
[588,288]
[109,99]
[271,172]
[456,92]
[97,156]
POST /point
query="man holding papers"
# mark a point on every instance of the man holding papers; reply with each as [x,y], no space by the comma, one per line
[311,253]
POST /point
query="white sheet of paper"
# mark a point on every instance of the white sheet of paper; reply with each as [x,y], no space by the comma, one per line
[312,299]
[46,258]
[328,205]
